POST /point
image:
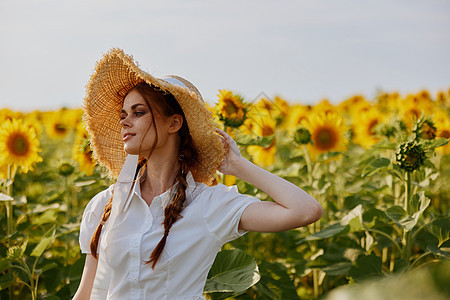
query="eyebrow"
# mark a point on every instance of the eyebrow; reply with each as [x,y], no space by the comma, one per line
[133,107]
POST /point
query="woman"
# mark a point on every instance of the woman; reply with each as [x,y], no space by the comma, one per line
[154,234]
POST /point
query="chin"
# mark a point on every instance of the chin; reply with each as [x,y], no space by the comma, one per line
[130,151]
[133,152]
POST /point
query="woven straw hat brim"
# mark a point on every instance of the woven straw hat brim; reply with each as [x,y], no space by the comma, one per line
[115,74]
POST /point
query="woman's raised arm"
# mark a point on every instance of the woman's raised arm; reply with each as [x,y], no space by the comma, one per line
[292,208]
[87,279]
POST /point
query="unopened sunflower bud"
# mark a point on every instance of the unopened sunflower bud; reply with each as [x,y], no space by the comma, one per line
[425,129]
[302,136]
[66,169]
[410,156]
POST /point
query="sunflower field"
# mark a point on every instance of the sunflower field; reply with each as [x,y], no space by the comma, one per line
[380,168]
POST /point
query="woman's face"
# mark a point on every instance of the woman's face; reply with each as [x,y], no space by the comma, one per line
[137,130]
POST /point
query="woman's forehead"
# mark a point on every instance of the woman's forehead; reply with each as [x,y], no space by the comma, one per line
[132,98]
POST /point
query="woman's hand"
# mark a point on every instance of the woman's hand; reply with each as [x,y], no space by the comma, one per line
[232,156]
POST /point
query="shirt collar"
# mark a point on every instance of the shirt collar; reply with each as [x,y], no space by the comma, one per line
[165,198]
[124,190]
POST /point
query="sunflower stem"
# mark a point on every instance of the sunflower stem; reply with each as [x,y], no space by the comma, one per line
[308,163]
[68,204]
[9,206]
[68,213]
[316,283]
[406,253]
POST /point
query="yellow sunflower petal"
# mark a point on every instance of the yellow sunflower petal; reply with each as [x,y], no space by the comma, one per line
[82,152]
[231,108]
[327,133]
[19,145]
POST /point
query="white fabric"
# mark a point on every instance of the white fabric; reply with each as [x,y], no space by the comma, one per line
[210,219]
[173,80]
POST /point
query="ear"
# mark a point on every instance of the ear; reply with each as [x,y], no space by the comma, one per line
[176,123]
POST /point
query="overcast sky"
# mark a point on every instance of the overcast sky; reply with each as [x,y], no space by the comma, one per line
[301,50]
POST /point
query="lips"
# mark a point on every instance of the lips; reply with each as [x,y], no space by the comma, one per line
[127,136]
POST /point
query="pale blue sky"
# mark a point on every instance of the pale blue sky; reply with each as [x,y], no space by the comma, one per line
[301,50]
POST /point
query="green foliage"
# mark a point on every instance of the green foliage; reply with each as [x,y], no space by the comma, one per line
[233,272]
[379,221]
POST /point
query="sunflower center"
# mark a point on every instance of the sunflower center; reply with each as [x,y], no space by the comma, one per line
[445,134]
[325,139]
[18,145]
[230,107]
[267,105]
[372,125]
[267,130]
[60,128]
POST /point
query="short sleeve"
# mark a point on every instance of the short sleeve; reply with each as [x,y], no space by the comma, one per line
[222,208]
[91,218]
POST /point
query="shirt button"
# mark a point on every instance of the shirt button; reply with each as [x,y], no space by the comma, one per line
[133,276]
[135,243]
[148,221]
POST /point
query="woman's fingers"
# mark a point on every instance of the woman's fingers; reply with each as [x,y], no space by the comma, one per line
[225,138]
[222,134]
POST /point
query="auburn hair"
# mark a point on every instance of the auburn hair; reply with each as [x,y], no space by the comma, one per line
[166,104]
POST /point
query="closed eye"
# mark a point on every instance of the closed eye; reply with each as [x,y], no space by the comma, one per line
[137,113]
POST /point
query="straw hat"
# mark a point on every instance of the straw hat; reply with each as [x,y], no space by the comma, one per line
[115,74]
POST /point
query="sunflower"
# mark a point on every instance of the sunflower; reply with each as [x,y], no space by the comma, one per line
[264,156]
[324,106]
[283,107]
[8,114]
[414,106]
[442,98]
[357,110]
[297,114]
[58,123]
[248,127]
[327,133]
[231,109]
[442,123]
[389,103]
[82,152]
[276,110]
[349,105]
[19,145]
[35,118]
[3,172]
[75,116]
[364,127]
[229,180]
[266,106]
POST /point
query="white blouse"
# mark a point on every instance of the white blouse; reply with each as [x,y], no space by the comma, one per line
[209,220]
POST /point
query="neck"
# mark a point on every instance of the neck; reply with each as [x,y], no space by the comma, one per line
[161,172]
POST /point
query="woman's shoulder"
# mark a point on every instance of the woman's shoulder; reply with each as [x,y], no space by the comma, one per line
[218,193]
[98,202]
[197,189]
[220,189]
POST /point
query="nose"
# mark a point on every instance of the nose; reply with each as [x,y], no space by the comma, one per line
[124,122]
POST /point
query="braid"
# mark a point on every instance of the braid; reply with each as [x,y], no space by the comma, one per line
[188,158]
[107,211]
[171,215]
[96,236]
